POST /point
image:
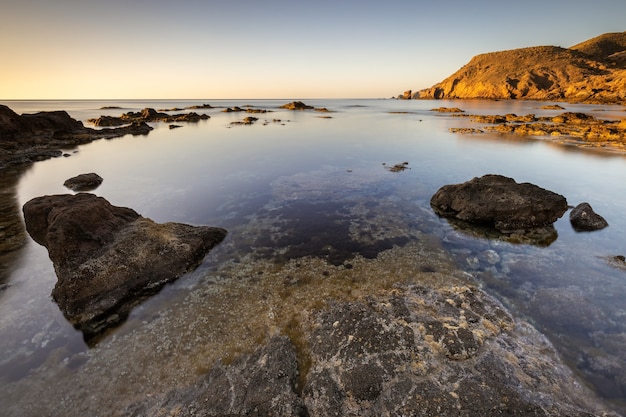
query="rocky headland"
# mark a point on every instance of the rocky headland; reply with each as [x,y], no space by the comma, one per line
[593,71]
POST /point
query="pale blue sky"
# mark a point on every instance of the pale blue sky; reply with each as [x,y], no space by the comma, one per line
[270,49]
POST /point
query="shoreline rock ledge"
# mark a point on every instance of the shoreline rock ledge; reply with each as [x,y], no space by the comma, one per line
[434,350]
[108,259]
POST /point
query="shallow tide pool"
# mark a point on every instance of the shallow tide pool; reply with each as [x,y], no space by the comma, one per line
[313,214]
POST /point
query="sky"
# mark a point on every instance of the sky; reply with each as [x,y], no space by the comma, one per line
[193,49]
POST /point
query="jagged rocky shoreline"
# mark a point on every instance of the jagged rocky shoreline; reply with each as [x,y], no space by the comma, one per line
[427,341]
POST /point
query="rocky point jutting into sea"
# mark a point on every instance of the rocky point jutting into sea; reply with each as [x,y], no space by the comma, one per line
[593,71]
[375,263]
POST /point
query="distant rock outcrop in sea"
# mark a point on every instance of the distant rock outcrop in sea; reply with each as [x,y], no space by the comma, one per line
[592,71]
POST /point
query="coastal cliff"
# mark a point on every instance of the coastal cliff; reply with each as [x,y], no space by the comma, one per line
[591,71]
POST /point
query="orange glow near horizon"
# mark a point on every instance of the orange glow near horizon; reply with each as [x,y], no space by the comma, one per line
[118,50]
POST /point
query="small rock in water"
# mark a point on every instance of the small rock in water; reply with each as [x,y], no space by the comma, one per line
[84,182]
[584,219]
[398,167]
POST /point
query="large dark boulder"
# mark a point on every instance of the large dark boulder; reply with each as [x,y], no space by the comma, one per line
[584,219]
[109,258]
[499,202]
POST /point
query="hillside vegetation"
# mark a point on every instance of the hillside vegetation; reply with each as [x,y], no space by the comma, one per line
[591,71]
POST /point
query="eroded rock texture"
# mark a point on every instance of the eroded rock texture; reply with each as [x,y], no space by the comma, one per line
[584,219]
[108,258]
[501,203]
[413,350]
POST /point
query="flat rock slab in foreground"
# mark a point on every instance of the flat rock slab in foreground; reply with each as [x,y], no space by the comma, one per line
[499,202]
[415,351]
[109,258]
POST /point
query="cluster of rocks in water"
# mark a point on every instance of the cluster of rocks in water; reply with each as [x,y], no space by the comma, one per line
[520,212]
[441,348]
[402,166]
[147,115]
[34,137]
[298,105]
[433,348]
[569,127]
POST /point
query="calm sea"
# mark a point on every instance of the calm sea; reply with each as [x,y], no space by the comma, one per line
[302,193]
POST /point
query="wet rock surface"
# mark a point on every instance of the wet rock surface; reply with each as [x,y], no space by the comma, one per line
[584,219]
[577,317]
[501,203]
[109,258]
[84,182]
[258,384]
[414,350]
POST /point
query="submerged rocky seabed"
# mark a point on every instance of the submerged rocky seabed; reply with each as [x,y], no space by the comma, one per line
[338,296]
[337,291]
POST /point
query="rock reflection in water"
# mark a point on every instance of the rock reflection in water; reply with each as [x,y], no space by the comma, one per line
[249,290]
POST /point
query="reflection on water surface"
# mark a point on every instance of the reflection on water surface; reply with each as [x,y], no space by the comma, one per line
[313,215]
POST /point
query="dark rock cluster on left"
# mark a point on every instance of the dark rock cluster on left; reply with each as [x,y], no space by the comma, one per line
[108,258]
[34,137]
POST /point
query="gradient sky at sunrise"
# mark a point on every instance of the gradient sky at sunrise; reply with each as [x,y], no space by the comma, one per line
[81,49]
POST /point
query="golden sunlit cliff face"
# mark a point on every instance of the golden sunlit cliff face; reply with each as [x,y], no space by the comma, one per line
[592,71]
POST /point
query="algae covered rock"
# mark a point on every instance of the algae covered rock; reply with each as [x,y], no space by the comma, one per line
[412,350]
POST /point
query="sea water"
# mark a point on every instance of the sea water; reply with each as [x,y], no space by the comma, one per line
[304,195]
